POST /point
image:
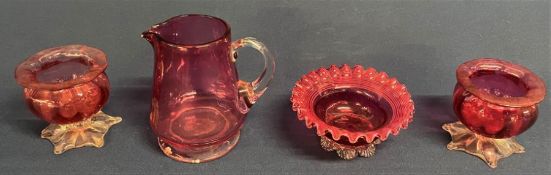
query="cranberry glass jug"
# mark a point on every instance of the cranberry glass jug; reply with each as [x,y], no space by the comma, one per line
[199,104]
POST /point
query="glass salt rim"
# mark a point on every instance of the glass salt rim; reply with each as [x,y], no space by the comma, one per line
[25,71]
[536,87]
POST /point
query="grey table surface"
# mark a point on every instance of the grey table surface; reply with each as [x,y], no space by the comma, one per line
[419,42]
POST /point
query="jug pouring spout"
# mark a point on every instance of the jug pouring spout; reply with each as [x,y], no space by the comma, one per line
[151,35]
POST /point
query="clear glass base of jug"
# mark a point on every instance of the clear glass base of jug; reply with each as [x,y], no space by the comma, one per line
[194,154]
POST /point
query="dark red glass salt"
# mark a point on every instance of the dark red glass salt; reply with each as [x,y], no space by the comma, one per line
[67,87]
[65,84]
[496,100]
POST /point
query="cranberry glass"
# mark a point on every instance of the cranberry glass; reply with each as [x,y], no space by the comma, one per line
[64,86]
[352,108]
[199,104]
[496,100]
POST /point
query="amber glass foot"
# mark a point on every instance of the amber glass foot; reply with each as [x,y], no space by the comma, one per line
[88,132]
[349,151]
[197,154]
[488,149]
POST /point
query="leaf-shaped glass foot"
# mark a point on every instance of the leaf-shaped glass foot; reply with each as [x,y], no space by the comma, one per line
[488,149]
[89,132]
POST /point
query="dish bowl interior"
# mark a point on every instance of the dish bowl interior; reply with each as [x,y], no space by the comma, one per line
[353,109]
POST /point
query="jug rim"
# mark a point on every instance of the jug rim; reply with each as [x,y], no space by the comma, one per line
[156,33]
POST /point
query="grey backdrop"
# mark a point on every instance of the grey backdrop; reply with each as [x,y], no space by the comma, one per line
[419,42]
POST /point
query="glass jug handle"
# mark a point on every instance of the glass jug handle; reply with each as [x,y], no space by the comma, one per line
[251,91]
